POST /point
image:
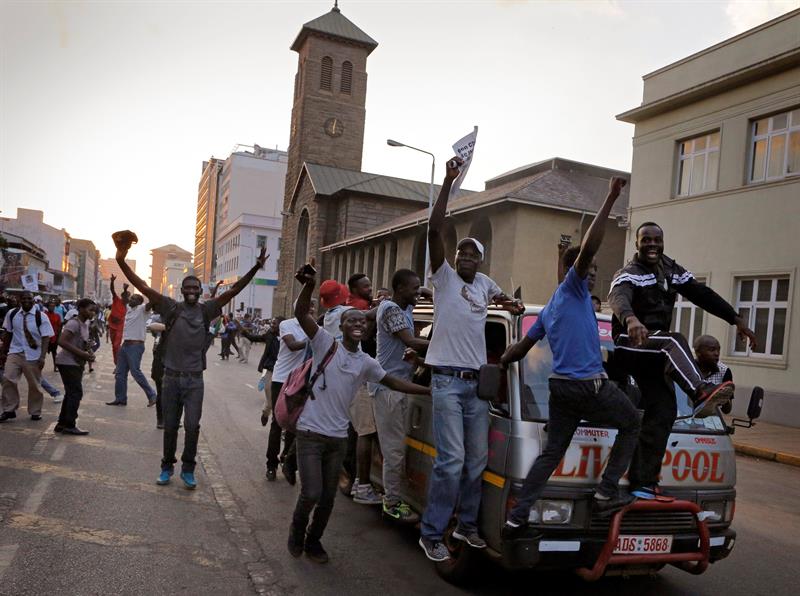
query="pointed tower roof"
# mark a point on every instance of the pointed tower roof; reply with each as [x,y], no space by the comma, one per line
[335,24]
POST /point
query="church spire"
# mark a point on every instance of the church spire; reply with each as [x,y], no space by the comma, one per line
[335,6]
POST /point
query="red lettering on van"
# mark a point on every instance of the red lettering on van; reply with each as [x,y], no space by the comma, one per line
[700,466]
[715,469]
[705,440]
[685,466]
[560,470]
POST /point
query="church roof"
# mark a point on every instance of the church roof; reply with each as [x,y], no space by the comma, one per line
[330,180]
[335,24]
[554,183]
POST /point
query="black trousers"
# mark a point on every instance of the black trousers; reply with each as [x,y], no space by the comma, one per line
[274,440]
[157,374]
[71,376]
[650,371]
[182,394]
[320,459]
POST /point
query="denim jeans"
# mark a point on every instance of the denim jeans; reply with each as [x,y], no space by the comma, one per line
[599,402]
[129,358]
[73,392]
[461,435]
[181,394]
[319,460]
[52,391]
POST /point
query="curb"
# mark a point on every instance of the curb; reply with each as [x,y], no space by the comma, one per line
[768,454]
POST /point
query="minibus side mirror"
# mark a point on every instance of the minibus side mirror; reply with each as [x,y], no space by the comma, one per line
[490,378]
[753,408]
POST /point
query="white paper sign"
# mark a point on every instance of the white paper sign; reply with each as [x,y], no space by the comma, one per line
[464,148]
[30,283]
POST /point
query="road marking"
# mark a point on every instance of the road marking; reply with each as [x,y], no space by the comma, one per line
[7,554]
[36,496]
[58,452]
[249,385]
[62,442]
[38,467]
[41,444]
[57,528]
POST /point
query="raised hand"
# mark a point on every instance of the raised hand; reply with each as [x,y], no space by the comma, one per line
[262,257]
[307,273]
[113,278]
[453,172]
[615,186]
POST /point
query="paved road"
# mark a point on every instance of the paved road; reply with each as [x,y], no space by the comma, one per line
[83,516]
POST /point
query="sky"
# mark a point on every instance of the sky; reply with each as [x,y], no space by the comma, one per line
[108,109]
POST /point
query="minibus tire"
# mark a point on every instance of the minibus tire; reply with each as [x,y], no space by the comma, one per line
[462,563]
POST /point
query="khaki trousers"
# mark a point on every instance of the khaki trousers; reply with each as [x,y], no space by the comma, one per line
[16,366]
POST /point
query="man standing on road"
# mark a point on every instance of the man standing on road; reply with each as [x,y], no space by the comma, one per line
[129,357]
[395,332]
[184,341]
[579,386]
[456,352]
[322,426]
[73,354]
[116,318]
[27,333]
[642,299]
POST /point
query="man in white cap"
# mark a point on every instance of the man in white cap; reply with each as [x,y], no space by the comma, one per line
[456,352]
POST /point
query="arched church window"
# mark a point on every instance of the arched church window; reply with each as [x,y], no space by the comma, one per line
[347,77]
[326,75]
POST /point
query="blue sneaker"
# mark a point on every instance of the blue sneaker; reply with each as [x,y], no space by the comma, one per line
[188,480]
[164,477]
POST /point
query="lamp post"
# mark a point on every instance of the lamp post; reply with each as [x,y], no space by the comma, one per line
[393,143]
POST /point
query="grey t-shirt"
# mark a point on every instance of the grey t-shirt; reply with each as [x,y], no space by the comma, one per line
[78,339]
[459,319]
[329,413]
[186,341]
[391,319]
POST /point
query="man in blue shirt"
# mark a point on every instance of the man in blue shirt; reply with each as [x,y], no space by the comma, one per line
[579,386]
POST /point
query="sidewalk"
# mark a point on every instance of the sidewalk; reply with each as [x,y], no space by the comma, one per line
[769,441]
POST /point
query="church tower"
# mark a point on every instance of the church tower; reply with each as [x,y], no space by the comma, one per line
[330,92]
[327,128]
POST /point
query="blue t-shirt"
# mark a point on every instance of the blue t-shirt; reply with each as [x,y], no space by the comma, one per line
[570,324]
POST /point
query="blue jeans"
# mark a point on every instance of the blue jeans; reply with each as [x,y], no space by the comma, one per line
[181,395]
[129,358]
[461,434]
[53,391]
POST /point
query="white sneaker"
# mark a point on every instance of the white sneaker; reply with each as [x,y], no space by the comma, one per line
[366,495]
[354,487]
[57,398]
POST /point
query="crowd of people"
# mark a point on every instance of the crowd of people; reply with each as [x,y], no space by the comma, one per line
[361,354]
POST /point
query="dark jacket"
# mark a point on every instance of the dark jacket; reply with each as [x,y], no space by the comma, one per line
[271,347]
[650,295]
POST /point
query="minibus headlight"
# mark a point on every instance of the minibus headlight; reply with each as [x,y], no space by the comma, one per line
[720,511]
[551,512]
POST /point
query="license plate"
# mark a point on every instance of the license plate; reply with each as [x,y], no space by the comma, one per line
[646,545]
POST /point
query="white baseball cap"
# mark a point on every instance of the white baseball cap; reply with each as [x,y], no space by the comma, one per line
[469,240]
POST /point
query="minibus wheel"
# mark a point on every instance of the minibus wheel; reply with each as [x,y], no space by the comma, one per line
[461,564]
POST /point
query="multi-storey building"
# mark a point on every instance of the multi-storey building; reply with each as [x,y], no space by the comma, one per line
[205,224]
[88,267]
[167,256]
[716,163]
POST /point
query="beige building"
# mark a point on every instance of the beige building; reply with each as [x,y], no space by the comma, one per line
[109,267]
[520,218]
[169,256]
[716,162]
[207,198]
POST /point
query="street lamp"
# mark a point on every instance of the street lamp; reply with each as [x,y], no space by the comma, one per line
[393,143]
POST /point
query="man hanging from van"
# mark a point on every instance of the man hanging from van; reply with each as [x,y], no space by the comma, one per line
[456,352]
[579,386]
[184,342]
[642,298]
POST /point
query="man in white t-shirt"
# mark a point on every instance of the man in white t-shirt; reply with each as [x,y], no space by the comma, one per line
[456,352]
[322,426]
[291,354]
[129,357]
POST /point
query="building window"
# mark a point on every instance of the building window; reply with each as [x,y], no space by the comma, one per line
[326,75]
[687,318]
[261,241]
[698,164]
[775,149]
[347,77]
[763,302]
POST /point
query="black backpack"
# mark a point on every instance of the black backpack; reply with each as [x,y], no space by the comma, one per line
[161,348]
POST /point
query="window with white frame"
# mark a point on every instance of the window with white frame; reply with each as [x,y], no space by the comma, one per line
[687,318]
[261,241]
[775,148]
[698,164]
[763,302]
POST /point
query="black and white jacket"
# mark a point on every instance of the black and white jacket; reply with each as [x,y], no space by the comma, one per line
[650,294]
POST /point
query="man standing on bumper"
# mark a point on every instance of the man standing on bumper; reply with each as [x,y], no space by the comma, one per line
[456,352]
[184,358]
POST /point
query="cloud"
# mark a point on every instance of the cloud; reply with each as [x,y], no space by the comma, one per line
[746,14]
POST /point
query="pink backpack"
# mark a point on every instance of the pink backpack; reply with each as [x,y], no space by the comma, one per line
[297,389]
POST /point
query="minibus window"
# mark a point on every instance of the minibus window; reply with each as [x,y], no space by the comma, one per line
[496,343]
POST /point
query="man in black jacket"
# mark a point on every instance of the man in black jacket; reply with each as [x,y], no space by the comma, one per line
[642,298]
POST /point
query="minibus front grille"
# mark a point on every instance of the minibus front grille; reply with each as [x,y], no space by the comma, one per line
[648,522]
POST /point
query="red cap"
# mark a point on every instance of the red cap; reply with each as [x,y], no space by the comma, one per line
[332,293]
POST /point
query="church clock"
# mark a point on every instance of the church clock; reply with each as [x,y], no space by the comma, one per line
[334,127]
